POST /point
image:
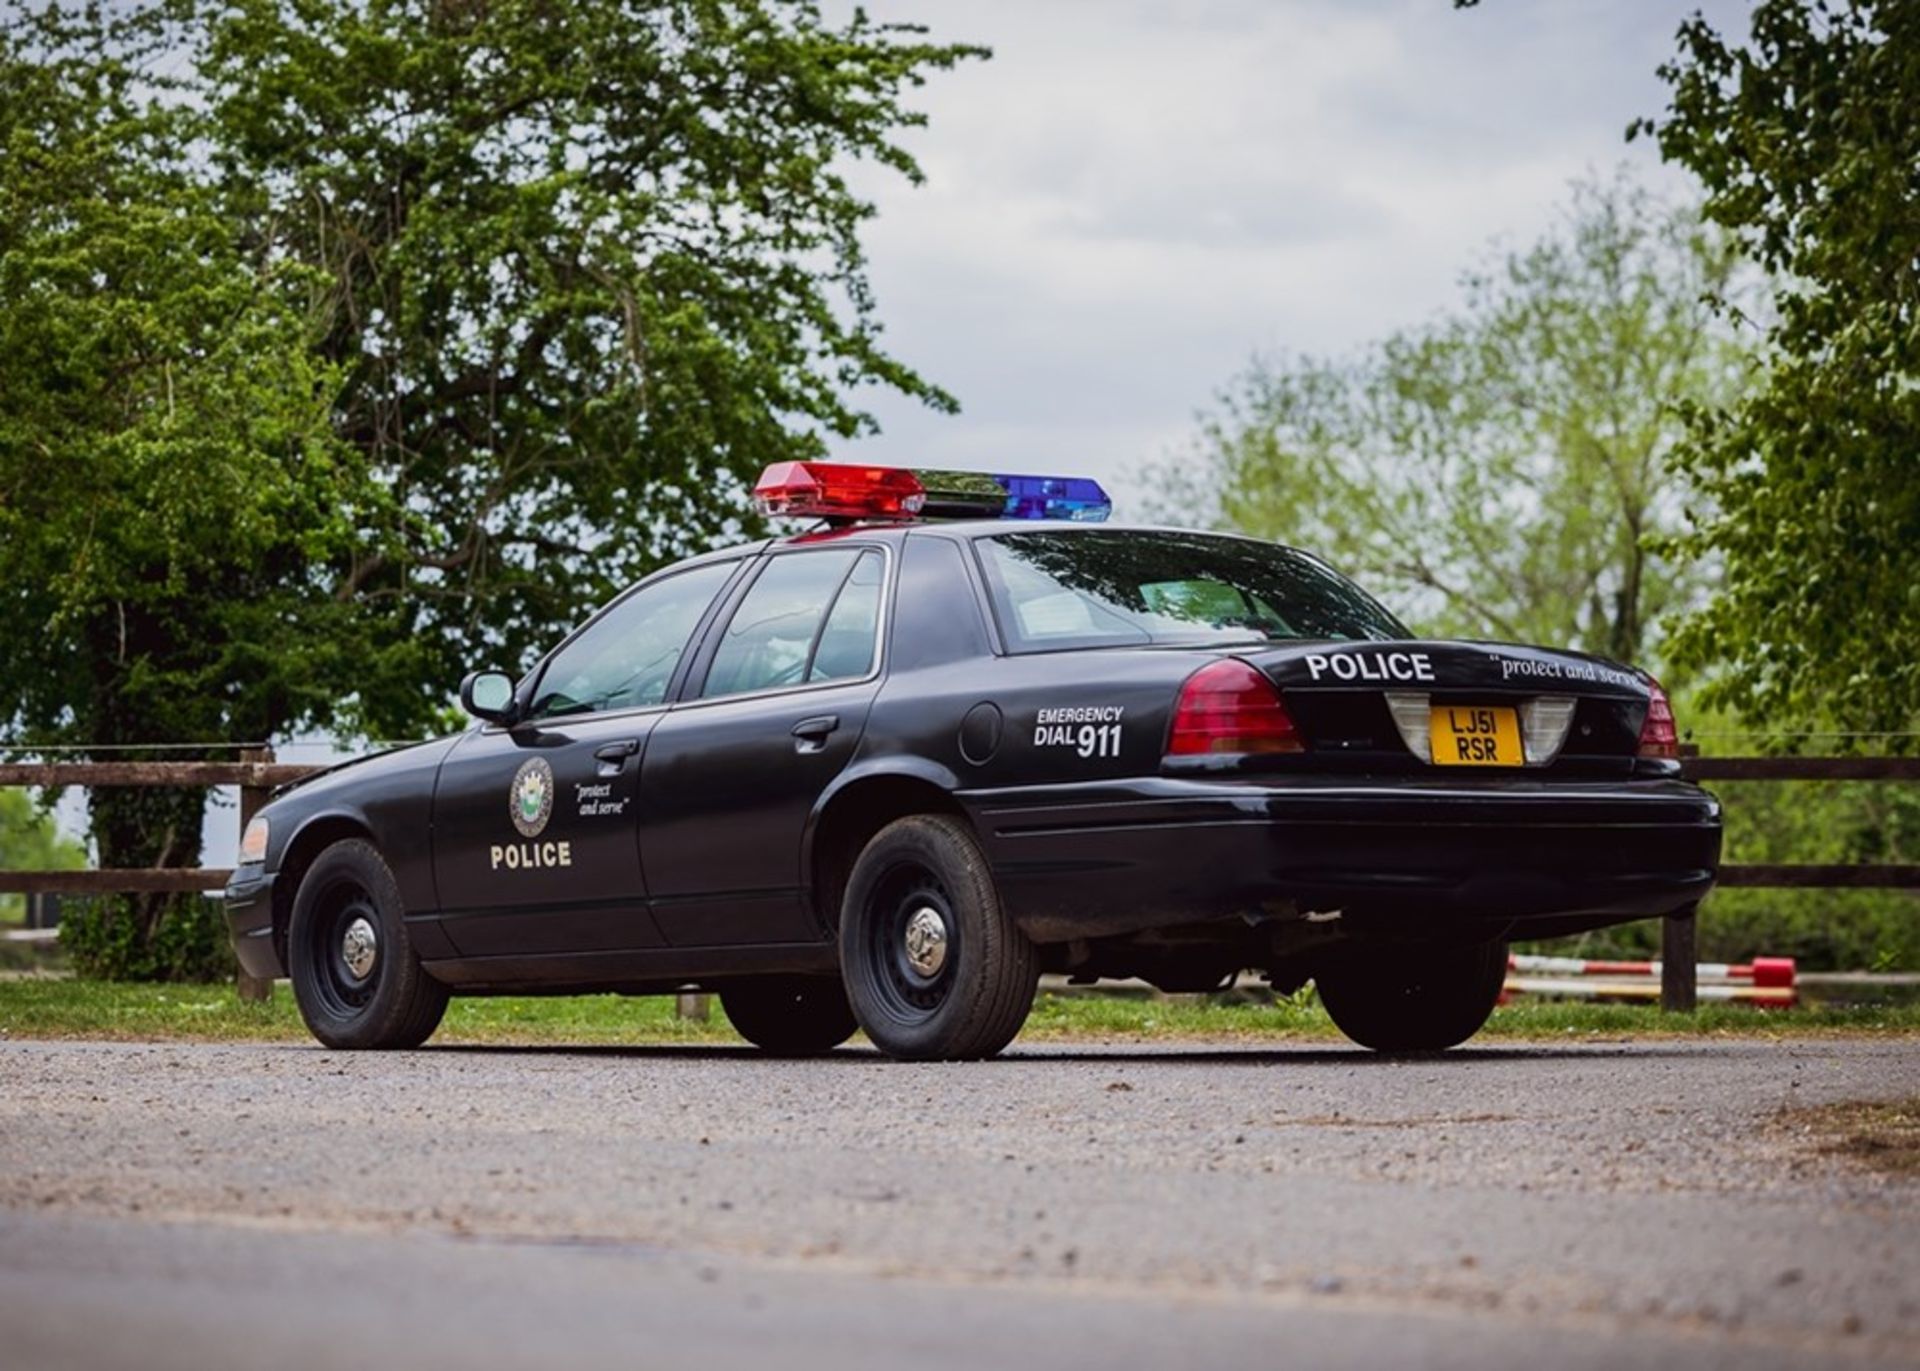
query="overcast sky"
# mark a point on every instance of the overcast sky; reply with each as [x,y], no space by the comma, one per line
[1131,199]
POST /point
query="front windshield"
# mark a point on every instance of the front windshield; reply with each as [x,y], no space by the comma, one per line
[1113,587]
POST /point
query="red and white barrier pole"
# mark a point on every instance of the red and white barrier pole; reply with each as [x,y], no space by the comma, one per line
[1763,981]
[1571,988]
[1761,971]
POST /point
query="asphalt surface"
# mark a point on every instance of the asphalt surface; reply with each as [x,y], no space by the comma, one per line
[1579,1205]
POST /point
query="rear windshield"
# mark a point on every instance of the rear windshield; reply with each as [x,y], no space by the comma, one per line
[1116,587]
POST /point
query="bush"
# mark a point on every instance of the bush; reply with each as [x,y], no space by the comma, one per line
[1818,822]
[1823,930]
[108,939]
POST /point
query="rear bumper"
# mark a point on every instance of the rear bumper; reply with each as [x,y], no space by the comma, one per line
[249,906]
[1102,859]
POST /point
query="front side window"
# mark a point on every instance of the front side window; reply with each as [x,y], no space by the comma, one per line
[809,617]
[625,659]
[1114,587]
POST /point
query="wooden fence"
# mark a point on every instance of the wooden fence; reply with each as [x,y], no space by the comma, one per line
[256,773]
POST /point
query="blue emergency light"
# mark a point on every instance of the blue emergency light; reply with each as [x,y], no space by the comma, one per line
[1055,497]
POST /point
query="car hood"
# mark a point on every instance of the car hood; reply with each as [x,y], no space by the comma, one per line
[406,755]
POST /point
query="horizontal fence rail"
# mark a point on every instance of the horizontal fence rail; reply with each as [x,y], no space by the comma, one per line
[184,880]
[180,775]
[1801,768]
[256,780]
[1819,876]
[1814,876]
[257,774]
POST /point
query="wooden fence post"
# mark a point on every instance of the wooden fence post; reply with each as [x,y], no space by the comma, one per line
[1678,952]
[698,1008]
[252,797]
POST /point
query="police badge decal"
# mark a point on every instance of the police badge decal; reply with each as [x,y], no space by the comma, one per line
[530,798]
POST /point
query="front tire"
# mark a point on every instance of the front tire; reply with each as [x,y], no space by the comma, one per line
[355,975]
[1412,998]
[790,1016]
[935,968]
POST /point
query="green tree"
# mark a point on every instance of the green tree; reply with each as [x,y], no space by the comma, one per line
[587,267]
[347,343]
[169,480]
[1806,139]
[1504,470]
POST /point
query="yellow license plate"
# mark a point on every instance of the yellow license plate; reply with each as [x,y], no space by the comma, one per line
[1476,735]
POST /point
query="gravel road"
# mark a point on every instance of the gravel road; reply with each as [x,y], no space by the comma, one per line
[1109,1206]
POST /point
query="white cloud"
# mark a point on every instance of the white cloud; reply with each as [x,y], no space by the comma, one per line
[1132,198]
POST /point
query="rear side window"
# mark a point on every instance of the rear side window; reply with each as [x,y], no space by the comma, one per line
[1113,587]
[811,616]
[845,651]
[625,659]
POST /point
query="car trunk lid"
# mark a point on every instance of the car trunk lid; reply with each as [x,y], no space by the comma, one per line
[1457,704]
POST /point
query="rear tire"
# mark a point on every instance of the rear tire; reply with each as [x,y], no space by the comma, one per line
[935,968]
[790,1016]
[1415,997]
[355,975]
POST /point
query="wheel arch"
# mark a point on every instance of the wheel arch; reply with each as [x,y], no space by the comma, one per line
[857,806]
[314,836]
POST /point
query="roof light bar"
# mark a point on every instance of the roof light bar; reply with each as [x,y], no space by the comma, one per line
[844,492]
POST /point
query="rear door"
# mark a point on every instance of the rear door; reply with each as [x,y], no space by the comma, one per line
[536,827]
[770,714]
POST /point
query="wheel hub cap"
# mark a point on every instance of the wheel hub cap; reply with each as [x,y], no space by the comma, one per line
[926,941]
[359,949]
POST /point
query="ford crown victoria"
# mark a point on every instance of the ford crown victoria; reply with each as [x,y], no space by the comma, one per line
[883,773]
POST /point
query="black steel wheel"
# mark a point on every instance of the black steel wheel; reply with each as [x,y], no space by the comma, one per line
[790,1016]
[1412,997]
[935,968]
[355,975]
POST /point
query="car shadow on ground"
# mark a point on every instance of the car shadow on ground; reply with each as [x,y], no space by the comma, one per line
[1041,1054]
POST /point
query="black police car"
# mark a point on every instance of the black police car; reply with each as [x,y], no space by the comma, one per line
[886,773]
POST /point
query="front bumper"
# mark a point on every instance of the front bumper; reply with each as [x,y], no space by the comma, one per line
[1107,858]
[249,906]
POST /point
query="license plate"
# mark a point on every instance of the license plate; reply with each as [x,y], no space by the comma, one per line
[1476,735]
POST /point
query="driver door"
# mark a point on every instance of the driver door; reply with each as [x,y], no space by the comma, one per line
[536,844]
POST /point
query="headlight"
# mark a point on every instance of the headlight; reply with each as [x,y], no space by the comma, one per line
[253,843]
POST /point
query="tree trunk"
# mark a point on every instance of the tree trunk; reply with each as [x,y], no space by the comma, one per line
[146,827]
[1625,644]
[140,826]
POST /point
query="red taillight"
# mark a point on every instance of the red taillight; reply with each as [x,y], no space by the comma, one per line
[1228,707]
[1658,736]
[837,490]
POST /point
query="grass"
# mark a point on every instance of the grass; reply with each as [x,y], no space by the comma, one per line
[49,1007]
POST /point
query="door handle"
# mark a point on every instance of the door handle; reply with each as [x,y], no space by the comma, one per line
[810,735]
[613,756]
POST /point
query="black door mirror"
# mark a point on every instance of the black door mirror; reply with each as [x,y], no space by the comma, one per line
[488,695]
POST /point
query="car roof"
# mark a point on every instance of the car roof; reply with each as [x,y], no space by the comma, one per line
[987,528]
[957,529]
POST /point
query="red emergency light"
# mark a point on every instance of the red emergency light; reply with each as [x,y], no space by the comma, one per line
[835,490]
